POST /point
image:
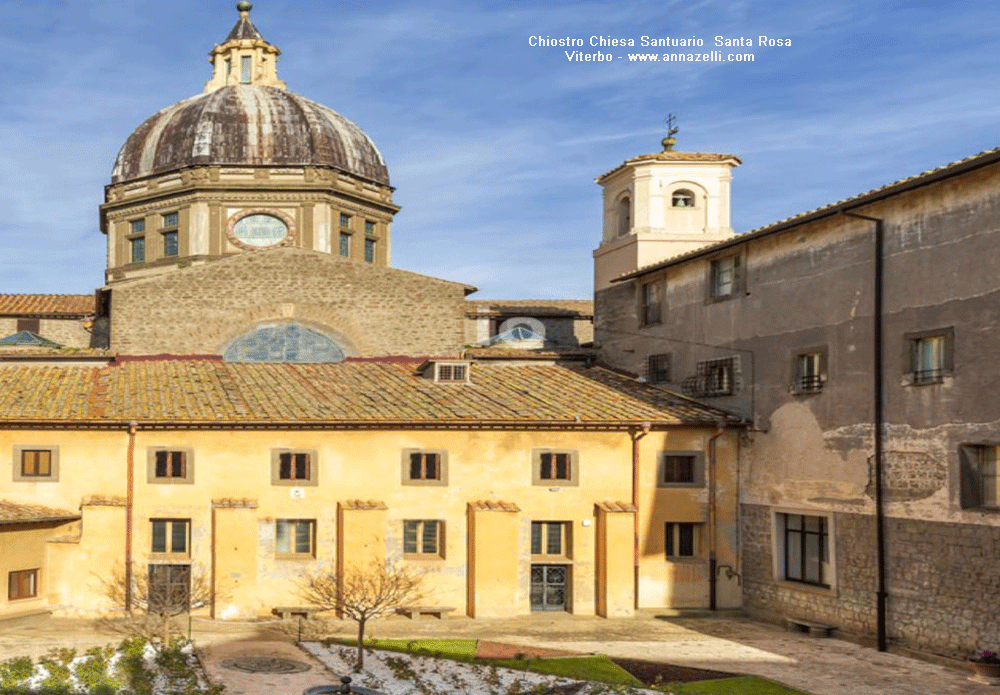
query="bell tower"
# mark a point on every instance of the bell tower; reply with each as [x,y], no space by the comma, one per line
[661,205]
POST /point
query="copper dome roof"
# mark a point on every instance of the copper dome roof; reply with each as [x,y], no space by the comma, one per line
[248,125]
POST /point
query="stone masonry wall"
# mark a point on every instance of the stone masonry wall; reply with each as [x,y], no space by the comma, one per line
[942,581]
[368,310]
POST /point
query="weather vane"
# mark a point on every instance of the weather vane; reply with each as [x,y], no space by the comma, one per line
[669,141]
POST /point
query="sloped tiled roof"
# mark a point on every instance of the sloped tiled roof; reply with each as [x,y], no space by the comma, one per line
[16,513]
[64,305]
[530,307]
[494,506]
[613,506]
[373,394]
[976,161]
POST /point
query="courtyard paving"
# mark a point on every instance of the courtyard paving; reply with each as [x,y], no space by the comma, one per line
[727,642]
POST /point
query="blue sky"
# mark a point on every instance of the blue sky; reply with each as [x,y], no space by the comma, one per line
[492,144]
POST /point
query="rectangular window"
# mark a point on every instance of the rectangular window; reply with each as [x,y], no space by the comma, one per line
[246,68]
[650,308]
[422,537]
[294,536]
[170,220]
[345,245]
[170,535]
[137,226]
[169,588]
[345,220]
[550,538]
[658,369]
[679,539]
[294,466]
[30,325]
[810,368]
[369,228]
[555,466]
[979,480]
[138,248]
[717,377]
[805,549]
[927,359]
[171,464]
[425,466]
[452,372]
[36,463]
[169,244]
[369,250]
[678,468]
[725,277]
[22,584]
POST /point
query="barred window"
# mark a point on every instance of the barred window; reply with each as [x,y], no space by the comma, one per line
[658,368]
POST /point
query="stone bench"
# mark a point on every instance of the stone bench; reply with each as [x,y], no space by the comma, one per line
[285,612]
[436,611]
[809,627]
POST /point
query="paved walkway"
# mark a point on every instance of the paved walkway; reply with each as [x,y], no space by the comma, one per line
[724,642]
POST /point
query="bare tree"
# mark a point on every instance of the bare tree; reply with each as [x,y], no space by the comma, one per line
[363,593]
[158,595]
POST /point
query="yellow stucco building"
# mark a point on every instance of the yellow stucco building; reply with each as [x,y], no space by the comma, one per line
[251,396]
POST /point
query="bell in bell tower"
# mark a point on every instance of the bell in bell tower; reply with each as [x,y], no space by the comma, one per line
[661,205]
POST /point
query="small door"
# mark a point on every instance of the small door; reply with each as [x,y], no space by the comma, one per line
[549,587]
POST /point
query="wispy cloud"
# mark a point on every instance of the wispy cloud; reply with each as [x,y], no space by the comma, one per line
[493,144]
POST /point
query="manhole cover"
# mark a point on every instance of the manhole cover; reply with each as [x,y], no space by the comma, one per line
[265,664]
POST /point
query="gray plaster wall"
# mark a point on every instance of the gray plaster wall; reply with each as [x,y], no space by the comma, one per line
[812,287]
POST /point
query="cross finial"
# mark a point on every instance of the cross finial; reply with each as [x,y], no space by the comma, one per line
[668,142]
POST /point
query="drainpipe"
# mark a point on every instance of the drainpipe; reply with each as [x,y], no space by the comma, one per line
[712,521]
[877,426]
[636,435]
[129,499]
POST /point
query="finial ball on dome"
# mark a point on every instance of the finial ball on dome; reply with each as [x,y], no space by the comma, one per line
[244,5]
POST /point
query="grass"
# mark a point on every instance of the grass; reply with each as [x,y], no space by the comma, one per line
[741,685]
[591,668]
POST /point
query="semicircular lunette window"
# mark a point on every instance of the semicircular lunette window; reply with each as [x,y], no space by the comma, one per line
[287,343]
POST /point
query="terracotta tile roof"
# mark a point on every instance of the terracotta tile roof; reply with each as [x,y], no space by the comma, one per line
[616,506]
[530,307]
[672,156]
[103,501]
[16,513]
[348,394]
[981,159]
[363,505]
[234,503]
[494,506]
[65,305]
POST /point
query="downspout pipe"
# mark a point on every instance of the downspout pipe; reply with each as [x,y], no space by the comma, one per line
[878,424]
[712,518]
[133,427]
[636,435]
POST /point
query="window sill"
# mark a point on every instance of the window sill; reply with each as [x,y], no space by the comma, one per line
[908,380]
[807,588]
[685,559]
[687,486]
[171,481]
[552,559]
[297,557]
[295,483]
[423,557]
[35,479]
[169,558]
[425,482]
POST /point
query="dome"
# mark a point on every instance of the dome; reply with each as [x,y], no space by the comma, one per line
[248,124]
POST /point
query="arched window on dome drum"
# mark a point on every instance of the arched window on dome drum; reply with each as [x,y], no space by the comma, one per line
[286,343]
[682,198]
[624,216]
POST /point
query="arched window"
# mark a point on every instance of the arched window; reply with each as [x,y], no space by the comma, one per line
[682,198]
[286,343]
[624,216]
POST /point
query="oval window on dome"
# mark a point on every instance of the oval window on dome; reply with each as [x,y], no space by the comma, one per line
[260,230]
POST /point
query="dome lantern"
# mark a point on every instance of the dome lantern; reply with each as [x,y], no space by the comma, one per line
[245,57]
